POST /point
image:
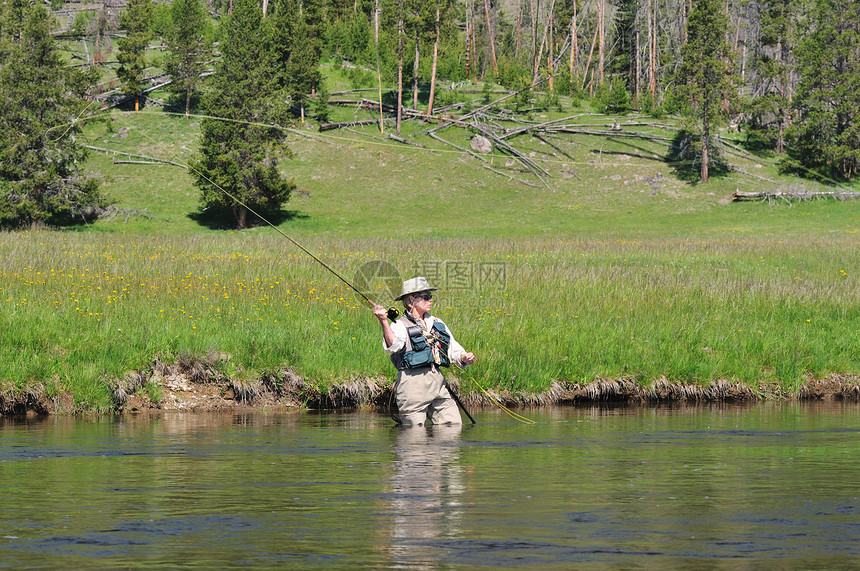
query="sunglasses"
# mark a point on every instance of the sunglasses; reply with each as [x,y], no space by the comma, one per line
[424,296]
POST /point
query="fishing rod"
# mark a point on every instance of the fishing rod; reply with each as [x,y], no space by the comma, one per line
[459,402]
[232,196]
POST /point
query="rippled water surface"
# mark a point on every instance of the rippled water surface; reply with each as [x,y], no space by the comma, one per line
[771,485]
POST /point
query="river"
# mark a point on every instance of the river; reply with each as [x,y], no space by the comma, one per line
[771,485]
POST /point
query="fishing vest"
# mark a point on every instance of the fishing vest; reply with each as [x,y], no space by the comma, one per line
[421,354]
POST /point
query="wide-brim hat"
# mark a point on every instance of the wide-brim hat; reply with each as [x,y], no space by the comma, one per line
[414,285]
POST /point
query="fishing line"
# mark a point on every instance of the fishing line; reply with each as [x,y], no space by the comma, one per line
[512,414]
[70,124]
[392,313]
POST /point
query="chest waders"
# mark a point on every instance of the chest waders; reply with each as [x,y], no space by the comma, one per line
[429,347]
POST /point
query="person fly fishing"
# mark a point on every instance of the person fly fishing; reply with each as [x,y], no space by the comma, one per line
[419,344]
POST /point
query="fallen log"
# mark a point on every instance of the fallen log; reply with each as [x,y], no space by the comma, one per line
[752,175]
[347,102]
[794,195]
[485,107]
[509,177]
[557,148]
[527,162]
[458,147]
[112,211]
[500,144]
[119,162]
[528,128]
[333,93]
[492,104]
[122,100]
[405,141]
[374,106]
[599,133]
[150,159]
[345,124]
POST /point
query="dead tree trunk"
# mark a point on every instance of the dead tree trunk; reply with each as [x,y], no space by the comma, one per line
[435,60]
[519,28]
[637,62]
[706,132]
[543,42]
[588,61]
[399,65]
[378,72]
[491,38]
[574,45]
[469,32]
[533,14]
[652,51]
[551,53]
[601,27]
[415,70]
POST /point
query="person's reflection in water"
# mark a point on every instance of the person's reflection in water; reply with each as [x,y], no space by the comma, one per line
[427,491]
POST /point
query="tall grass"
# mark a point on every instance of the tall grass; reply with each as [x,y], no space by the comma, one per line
[615,268]
[79,311]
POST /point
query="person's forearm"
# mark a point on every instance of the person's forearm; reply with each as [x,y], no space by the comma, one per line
[387,333]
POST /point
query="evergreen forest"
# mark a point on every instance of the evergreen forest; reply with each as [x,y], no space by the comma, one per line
[785,73]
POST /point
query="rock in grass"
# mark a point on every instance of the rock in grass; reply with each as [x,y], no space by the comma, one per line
[481,144]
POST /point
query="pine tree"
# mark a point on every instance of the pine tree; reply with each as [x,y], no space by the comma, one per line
[769,109]
[827,135]
[237,167]
[302,67]
[705,75]
[296,50]
[188,48]
[137,21]
[40,178]
[13,15]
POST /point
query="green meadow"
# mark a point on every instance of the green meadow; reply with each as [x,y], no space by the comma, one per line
[614,266]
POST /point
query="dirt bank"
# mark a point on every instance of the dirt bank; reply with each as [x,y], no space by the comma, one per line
[193,384]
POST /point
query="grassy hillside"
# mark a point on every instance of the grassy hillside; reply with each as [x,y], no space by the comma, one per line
[616,267]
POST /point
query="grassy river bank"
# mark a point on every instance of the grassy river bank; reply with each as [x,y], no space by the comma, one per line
[618,281]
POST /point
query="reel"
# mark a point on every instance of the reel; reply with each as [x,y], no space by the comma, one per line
[393,314]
